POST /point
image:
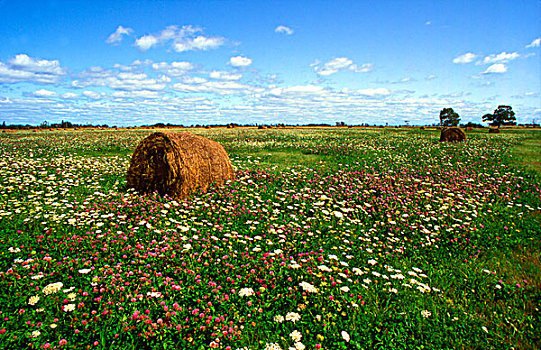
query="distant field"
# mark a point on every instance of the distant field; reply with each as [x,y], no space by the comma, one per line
[329,238]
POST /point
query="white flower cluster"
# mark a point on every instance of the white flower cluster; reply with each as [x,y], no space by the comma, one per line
[307,287]
[246,292]
[52,288]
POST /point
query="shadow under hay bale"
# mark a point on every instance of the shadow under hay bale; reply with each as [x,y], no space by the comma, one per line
[178,164]
[452,135]
[493,131]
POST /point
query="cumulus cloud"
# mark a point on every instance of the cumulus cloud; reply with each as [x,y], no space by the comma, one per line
[173,69]
[69,95]
[465,58]
[374,92]
[130,81]
[185,38]
[25,68]
[44,93]
[496,69]
[284,30]
[534,43]
[92,94]
[216,87]
[298,90]
[500,58]
[340,64]
[240,61]
[223,75]
[116,37]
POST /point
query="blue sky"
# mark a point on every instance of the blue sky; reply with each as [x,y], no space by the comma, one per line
[297,62]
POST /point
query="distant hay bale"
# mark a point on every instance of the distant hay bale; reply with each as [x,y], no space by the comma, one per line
[493,131]
[452,134]
[177,164]
[422,128]
[469,128]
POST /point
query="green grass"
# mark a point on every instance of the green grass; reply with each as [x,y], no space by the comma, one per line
[528,152]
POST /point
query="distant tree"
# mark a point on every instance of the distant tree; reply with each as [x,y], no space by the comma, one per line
[448,117]
[503,115]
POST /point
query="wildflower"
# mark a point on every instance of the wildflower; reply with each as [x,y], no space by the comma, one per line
[53,325]
[246,292]
[308,287]
[36,334]
[279,318]
[296,335]
[293,317]
[299,346]
[52,288]
[372,262]
[154,294]
[426,313]
[272,346]
[84,271]
[33,300]
[345,336]
[71,296]
[344,289]
[69,307]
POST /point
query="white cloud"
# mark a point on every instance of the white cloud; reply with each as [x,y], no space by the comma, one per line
[182,39]
[501,58]
[431,76]
[199,43]
[146,42]
[298,90]
[116,37]
[92,94]
[174,69]
[44,93]
[97,76]
[534,43]
[25,68]
[496,68]
[222,75]
[136,94]
[240,61]
[374,92]
[465,58]
[216,87]
[69,95]
[284,30]
[340,64]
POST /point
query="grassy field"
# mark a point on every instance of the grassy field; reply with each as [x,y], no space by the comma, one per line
[329,238]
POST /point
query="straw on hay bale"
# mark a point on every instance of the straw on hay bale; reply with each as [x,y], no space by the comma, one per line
[493,131]
[178,164]
[452,135]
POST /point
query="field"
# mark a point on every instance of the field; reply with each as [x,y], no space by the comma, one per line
[329,238]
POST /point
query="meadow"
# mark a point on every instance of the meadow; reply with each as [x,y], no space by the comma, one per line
[329,238]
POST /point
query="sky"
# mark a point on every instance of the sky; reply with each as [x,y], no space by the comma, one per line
[130,63]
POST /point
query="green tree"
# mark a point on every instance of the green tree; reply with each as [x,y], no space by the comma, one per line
[448,117]
[503,115]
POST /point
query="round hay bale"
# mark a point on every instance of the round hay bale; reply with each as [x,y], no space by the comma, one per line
[493,131]
[178,164]
[469,128]
[452,135]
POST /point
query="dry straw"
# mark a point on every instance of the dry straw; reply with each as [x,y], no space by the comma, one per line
[178,164]
[452,135]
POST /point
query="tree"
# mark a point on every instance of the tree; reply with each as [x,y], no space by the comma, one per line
[503,115]
[448,117]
